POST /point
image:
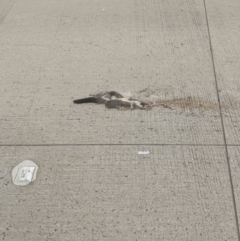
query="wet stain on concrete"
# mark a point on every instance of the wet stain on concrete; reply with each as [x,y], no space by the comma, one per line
[186,103]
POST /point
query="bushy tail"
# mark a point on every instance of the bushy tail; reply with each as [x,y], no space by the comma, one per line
[86,100]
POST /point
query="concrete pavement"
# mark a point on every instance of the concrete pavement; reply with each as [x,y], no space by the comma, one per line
[92,184]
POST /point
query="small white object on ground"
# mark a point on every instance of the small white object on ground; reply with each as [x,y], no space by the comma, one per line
[24,173]
[143,152]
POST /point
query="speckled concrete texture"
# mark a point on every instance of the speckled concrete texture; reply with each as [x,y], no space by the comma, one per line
[92,184]
[224,23]
[234,156]
[89,46]
[111,192]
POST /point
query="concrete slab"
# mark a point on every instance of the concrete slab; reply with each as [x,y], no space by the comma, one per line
[30,22]
[86,47]
[224,22]
[111,192]
[234,157]
[5,7]
[55,51]
[20,68]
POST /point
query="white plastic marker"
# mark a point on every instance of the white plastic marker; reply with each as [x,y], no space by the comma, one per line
[24,173]
[143,152]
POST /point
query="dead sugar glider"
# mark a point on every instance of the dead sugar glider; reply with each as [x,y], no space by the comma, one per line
[113,99]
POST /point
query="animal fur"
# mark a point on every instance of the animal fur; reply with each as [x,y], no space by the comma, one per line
[113,99]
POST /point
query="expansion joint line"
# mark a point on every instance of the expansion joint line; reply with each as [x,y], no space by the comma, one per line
[221,117]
